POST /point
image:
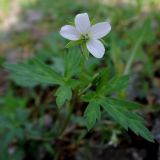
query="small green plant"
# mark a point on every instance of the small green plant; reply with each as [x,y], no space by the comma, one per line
[100,89]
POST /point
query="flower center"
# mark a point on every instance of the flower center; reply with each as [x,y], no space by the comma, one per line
[85,37]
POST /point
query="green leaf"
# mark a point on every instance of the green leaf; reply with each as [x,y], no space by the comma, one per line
[88,96]
[73,83]
[125,103]
[33,73]
[116,84]
[71,63]
[92,114]
[73,43]
[126,119]
[63,93]
[104,77]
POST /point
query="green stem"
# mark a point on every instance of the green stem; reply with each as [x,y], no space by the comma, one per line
[67,120]
[82,61]
[89,85]
[82,66]
[85,51]
[68,104]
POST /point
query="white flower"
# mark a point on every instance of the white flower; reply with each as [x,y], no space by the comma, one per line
[90,34]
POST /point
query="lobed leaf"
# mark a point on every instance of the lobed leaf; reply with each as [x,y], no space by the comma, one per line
[33,73]
[92,114]
[116,84]
[63,93]
[125,103]
[126,119]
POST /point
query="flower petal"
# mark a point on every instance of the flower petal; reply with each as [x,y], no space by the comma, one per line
[82,23]
[70,32]
[100,30]
[96,48]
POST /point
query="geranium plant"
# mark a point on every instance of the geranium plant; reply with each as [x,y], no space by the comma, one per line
[98,89]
